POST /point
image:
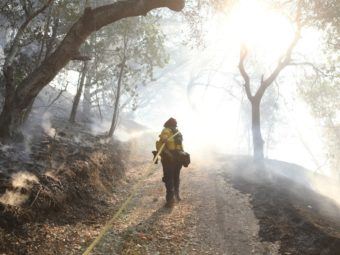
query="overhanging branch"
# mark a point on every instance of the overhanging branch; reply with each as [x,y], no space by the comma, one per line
[91,20]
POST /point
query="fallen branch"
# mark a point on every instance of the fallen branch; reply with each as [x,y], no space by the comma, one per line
[36,196]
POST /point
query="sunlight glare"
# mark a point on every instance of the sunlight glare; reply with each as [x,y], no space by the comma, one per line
[261,29]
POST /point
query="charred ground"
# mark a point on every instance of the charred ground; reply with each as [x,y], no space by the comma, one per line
[302,220]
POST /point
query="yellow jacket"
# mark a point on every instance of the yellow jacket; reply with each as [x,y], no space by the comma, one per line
[170,144]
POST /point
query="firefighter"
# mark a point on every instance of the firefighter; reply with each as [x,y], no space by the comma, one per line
[170,159]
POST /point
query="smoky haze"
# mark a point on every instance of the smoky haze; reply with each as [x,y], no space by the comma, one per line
[202,88]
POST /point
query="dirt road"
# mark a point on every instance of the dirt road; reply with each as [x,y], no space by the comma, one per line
[212,218]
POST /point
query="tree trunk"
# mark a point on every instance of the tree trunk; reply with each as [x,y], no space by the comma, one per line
[87,99]
[11,120]
[76,99]
[116,106]
[27,112]
[91,21]
[256,130]
[98,105]
[11,115]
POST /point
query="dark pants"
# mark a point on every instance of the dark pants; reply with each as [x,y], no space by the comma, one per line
[171,171]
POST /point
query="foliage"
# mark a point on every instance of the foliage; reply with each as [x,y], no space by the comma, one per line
[144,51]
[322,94]
[35,42]
[324,15]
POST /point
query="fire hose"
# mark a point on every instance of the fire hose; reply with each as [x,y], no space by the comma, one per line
[135,188]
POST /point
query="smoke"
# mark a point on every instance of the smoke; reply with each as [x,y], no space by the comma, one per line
[326,187]
[46,124]
[319,183]
[99,127]
[77,139]
[19,181]
[17,152]
[13,198]
[23,180]
[5,147]
[302,183]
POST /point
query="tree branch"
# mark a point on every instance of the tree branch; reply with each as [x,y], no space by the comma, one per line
[285,60]
[316,69]
[46,29]
[15,44]
[88,23]
[57,97]
[80,57]
[243,54]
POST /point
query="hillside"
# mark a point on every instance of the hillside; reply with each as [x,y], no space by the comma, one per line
[60,177]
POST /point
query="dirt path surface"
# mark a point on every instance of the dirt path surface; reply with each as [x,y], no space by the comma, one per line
[212,218]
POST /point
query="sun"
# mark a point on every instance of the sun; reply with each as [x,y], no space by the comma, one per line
[260,26]
[263,29]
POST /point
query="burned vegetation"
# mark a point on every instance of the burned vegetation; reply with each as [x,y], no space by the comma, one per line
[61,179]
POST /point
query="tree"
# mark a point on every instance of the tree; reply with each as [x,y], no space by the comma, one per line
[269,118]
[58,16]
[19,18]
[137,55]
[319,86]
[19,96]
[321,91]
[265,83]
[79,92]
[123,57]
[35,31]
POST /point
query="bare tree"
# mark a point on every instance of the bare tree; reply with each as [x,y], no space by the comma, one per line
[255,100]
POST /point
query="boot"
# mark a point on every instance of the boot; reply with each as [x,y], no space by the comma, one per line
[169,203]
[178,198]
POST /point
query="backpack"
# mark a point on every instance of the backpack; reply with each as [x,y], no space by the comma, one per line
[184,158]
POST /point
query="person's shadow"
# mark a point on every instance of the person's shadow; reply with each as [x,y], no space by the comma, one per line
[145,227]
